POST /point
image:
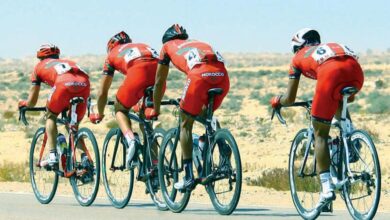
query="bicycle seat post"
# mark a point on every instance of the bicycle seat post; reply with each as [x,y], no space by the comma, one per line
[209,114]
[73,115]
[346,93]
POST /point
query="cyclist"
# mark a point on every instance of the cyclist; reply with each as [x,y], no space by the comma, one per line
[138,62]
[334,66]
[67,80]
[205,69]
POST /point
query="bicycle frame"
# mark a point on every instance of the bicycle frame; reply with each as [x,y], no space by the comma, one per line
[342,177]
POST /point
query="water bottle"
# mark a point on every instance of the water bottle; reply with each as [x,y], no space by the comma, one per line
[62,150]
[196,153]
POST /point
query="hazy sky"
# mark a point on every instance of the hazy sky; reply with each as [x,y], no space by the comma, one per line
[84,26]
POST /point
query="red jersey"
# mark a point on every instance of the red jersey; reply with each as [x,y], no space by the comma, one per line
[186,55]
[308,59]
[47,70]
[124,56]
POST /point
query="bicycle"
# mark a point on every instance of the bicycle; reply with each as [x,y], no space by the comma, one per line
[84,175]
[216,171]
[118,180]
[355,168]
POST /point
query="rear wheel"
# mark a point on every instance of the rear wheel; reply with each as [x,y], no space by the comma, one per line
[169,172]
[44,180]
[305,186]
[151,160]
[85,182]
[224,166]
[118,181]
[362,192]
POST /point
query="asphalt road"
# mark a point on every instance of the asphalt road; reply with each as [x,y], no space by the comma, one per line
[25,206]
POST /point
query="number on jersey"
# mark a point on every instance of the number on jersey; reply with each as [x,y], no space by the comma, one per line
[324,51]
[193,58]
[131,54]
[62,68]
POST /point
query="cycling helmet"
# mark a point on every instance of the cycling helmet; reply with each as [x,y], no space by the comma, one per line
[175,32]
[119,38]
[304,37]
[48,50]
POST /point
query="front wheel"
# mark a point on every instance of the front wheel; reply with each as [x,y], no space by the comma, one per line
[118,181]
[86,162]
[304,184]
[224,165]
[169,172]
[362,191]
[44,181]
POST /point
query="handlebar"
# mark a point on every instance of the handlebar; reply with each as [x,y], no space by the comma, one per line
[23,110]
[176,102]
[306,105]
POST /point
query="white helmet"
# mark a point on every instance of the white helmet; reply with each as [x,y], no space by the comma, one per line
[305,36]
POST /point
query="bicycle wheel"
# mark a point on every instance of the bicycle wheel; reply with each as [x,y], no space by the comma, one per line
[169,172]
[43,180]
[118,181]
[85,182]
[305,185]
[151,158]
[224,165]
[362,192]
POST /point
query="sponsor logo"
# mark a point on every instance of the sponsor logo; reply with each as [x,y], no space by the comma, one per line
[213,74]
[82,84]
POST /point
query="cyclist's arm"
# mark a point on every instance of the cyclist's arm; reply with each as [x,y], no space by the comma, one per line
[33,95]
[161,77]
[105,84]
[289,97]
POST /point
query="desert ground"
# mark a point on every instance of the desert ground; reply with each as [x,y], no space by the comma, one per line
[264,144]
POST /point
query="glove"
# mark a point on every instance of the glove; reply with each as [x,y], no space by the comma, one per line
[95,118]
[275,101]
[22,103]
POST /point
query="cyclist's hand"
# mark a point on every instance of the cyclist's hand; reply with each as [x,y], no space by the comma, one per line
[151,114]
[275,102]
[154,112]
[96,118]
[22,103]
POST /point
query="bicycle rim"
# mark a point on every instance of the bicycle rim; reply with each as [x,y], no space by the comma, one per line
[152,182]
[224,164]
[118,181]
[362,195]
[85,182]
[305,187]
[170,173]
[44,182]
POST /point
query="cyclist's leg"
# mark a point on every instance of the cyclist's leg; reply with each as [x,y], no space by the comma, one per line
[58,101]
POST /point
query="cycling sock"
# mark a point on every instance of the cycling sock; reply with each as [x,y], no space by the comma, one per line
[129,135]
[325,181]
[187,165]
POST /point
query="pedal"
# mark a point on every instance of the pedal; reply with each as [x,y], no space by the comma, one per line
[328,208]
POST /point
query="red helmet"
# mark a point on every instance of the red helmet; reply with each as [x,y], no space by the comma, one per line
[47,50]
[119,38]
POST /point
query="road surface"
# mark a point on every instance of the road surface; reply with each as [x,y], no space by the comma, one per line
[25,206]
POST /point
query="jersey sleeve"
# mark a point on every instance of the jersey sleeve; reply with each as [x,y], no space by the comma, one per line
[35,80]
[164,58]
[108,69]
[294,72]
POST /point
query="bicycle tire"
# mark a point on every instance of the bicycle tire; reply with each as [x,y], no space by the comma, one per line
[222,140]
[85,192]
[365,184]
[302,185]
[115,136]
[42,197]
[154,192]
[171,174]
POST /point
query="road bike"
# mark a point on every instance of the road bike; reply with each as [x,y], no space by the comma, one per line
[80,161]
[219,169]
[355,168]
[117,178]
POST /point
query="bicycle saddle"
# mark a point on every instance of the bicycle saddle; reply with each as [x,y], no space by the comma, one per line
[349,90]
[76,100]
[215,91]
